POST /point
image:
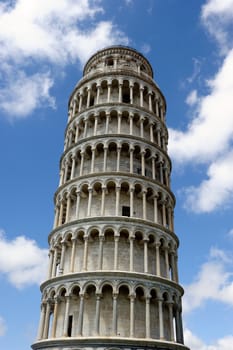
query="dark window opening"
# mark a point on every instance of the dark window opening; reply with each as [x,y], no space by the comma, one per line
[110,62]
[126,98]
[125,211]
[92,101]
[69,330]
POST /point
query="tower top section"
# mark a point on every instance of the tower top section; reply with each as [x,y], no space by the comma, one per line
[118,57]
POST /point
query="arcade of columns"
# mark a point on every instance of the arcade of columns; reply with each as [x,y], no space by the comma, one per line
[113,276]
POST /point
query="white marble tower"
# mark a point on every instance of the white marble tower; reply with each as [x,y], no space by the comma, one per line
[113,278]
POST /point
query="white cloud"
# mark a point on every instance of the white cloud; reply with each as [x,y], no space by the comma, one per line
[209,135]
[42,28]
[23,93]
[22,261]
[213,122]
[216,191]
[35,34]
[3,327]
[195,343]
[213,282]
[54,30]
[217,16]
[192,98]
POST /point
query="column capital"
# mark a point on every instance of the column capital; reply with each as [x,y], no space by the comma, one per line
[101,237]
[131,237]
[132,188]
[115,295]
[131,148]
[132,296]
[98,295]
[142,118]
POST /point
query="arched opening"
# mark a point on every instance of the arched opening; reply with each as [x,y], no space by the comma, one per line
[154,315]
[73,311]
[106,311]
[110,199]
[151,255]
[79,252]
[96,199]
[109,249]
[125,92]
[93,251]
[138,212]
[84,194]
[89,311]
[140,313]
[123,312]
[138,252]
[99,158]
[124,162]
[61,312]
[166,318]
[124,199]
[123,251]
[112,157]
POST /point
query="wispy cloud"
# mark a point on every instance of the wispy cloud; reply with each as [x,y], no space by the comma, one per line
[230,233]
[3,327]
[209,135]
[196,70]
[217,16]
[23,93]
[195,343]
[36,36]
[27,264]
[192,98]
[145,48]
[213,282]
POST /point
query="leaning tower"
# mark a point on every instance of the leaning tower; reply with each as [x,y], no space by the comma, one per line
[113,279]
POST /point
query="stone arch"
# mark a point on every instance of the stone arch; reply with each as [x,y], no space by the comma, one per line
[84,196]
[89,309]
[154,314]
[140,312]
[139,251]
[123,249]
[123,326]
[152,253]
[108,248]
[166,316]
[106,309]
[110,198]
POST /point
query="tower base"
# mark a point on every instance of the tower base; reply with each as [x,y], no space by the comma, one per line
[106,344]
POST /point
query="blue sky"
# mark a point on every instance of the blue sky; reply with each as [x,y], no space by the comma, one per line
[43,46]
